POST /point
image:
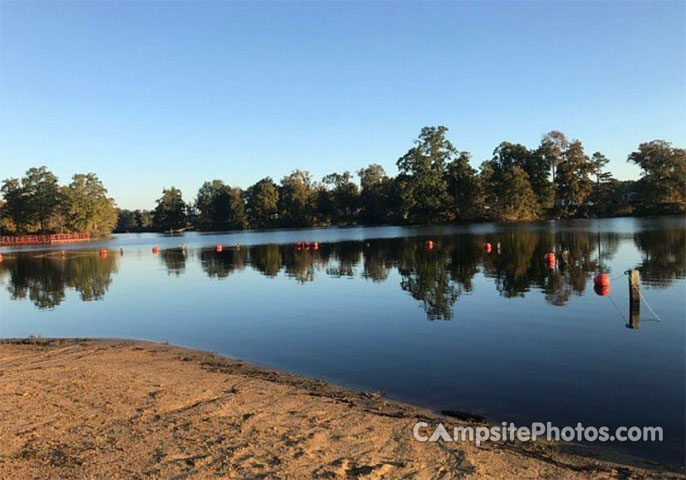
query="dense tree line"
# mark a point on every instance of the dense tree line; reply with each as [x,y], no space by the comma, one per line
[437,184]
[37,203]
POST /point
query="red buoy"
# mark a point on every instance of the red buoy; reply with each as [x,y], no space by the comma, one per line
[218,248]
[155,250]
[550,260]
[315,246]
[602,279]
[103,253]
[602,290]
[0,257]
[430,244]
[488,247]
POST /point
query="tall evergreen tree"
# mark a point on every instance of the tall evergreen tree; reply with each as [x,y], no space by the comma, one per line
[601,195]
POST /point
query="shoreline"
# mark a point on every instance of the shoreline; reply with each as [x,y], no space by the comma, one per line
[121,408]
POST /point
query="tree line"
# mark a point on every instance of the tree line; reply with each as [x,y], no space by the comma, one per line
[435,184]
[37,203]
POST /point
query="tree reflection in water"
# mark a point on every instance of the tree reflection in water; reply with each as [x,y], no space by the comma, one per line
[44,278]
[435,277]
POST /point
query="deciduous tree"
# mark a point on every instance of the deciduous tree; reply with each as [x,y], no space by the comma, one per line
[425,197]
[262,201]
[86,206]
[171,211]
[664,174]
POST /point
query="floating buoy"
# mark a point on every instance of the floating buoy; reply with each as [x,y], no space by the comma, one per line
[103,253]
[602,279]
[430,244]
[155,250]
[602,290]
[218,248]
[315,246]
[0,257]
[488,247]
[306,245]
[550,260]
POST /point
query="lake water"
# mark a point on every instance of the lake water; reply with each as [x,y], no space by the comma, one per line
[498,334]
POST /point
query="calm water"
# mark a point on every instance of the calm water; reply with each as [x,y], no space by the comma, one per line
[497,334]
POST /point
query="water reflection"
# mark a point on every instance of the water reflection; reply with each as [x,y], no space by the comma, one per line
[436,277]
[44,278]
[664,255]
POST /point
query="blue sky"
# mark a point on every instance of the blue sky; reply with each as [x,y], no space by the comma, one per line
[174,93]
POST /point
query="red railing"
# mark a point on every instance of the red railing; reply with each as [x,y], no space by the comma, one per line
[44,239]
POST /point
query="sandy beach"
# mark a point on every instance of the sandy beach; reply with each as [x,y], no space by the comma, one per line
[129,409]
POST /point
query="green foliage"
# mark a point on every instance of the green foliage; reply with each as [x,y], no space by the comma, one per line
[436,183]
[171,211]
[517,201]
[376,196]
[134,221]
[339,199]
[572,178]
[37,203]
[509,194]
[86,207]
[424,197]
[297,200]
[220,207]
[664,175]
[603,187]
[262,203]
[464,188]
[31,202]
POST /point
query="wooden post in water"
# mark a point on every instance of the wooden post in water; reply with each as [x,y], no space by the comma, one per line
[634,300]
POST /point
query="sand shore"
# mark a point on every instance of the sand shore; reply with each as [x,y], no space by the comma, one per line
[128,409]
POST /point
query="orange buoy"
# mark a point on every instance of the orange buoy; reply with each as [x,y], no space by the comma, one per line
[602,279]
[218,248]
[315,246]
[103,253]
[550,260]
[430,244]
[0,257]
[155,250]
[602,290]
[488,247]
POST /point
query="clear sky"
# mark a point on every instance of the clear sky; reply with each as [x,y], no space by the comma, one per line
[155,94]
